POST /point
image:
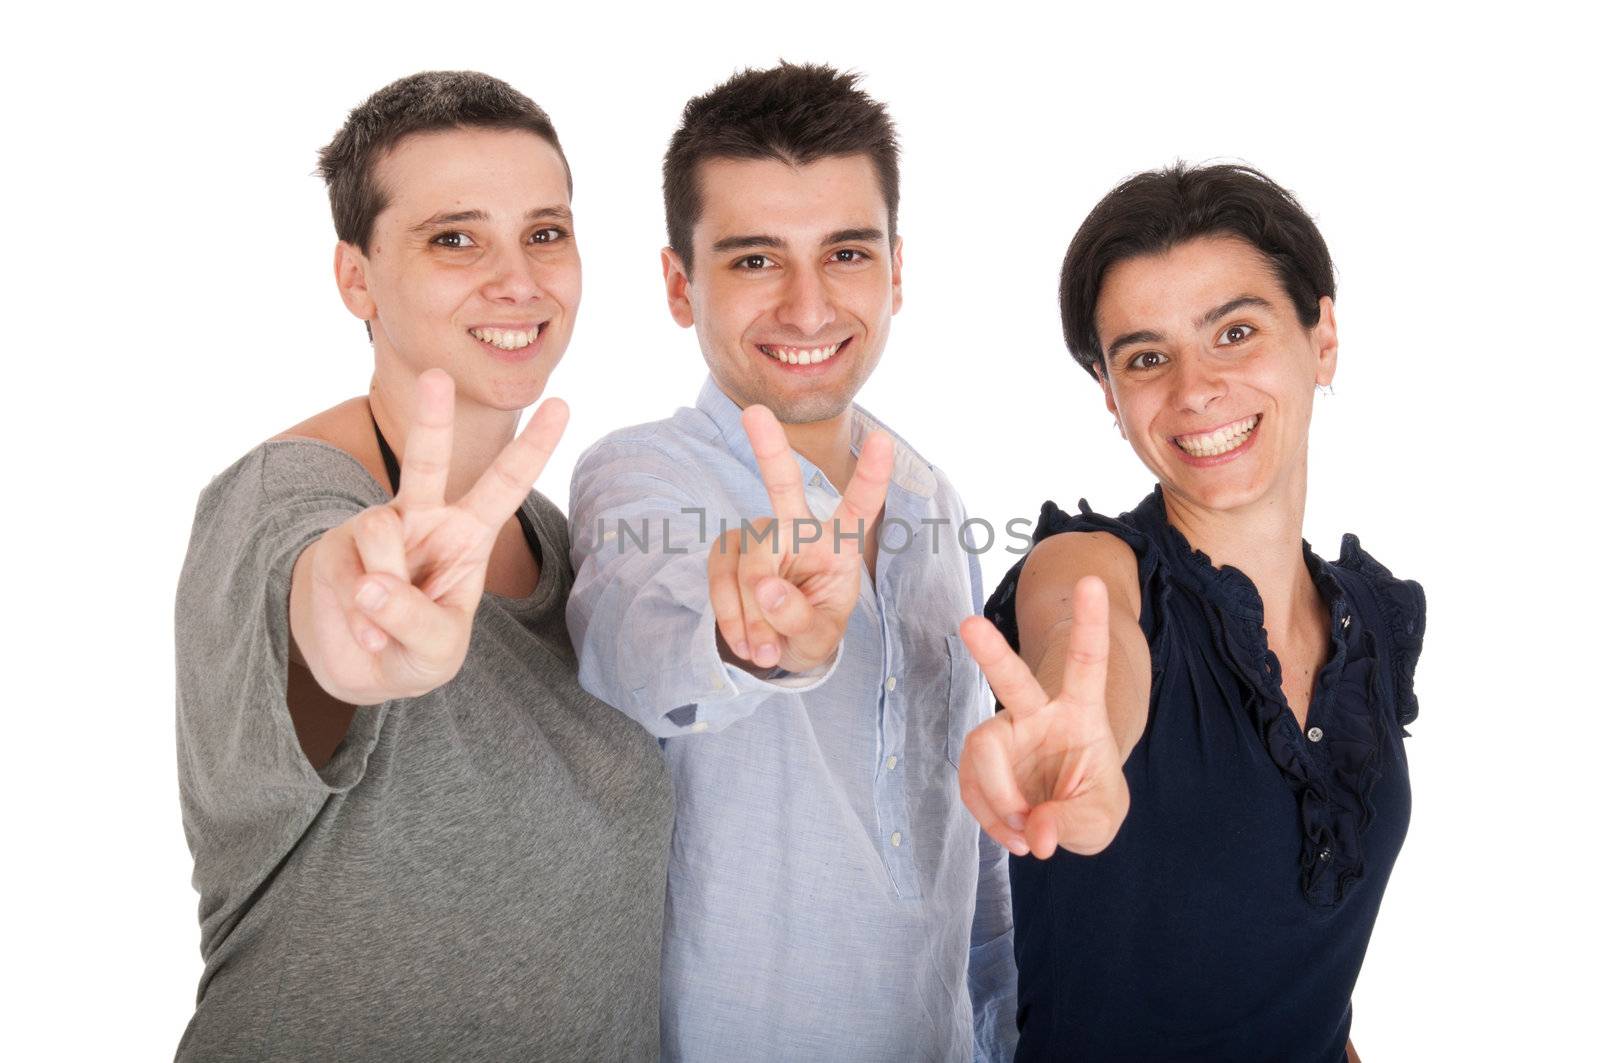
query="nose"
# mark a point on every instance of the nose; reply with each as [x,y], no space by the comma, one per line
[806,305]
[1198,382]
[512,276]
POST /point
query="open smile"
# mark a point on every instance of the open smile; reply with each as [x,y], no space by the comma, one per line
[511,344]
[802,356]
[1217,444]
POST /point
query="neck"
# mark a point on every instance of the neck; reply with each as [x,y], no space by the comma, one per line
[1262,540]
[826,444]
[477,437]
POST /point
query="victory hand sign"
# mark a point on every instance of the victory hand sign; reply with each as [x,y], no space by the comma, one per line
[783,587]
[1047,771]
[381,606]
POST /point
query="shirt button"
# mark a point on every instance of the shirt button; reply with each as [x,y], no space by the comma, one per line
[700,728]
[1315,734]
[894,839]
[891,762]
[889,684]
[1345,622]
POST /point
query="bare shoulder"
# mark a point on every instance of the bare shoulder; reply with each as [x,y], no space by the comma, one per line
[347,426]
[1056,565]
[335,426]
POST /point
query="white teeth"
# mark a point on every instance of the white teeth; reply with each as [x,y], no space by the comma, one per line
[1228,437]
[505,339]
[802,355]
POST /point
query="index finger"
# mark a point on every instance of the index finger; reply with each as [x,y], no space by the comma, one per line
[505,484]
[426,464]
[780,473]
[1013,684]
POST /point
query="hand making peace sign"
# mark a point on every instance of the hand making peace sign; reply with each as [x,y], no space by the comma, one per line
[780,600]
[1047,771]
[382,605]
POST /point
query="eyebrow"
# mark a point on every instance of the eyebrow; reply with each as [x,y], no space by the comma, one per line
[1128,339]
[553,213]
[1210,317]
[855,236]
[866,235]
[743,243]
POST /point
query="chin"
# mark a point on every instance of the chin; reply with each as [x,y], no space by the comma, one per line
[514,395]
[806,409]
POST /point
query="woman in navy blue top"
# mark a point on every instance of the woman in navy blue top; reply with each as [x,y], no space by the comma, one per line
[1223,759]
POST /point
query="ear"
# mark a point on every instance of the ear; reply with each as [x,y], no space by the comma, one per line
[1325,335]
[350,273]
[1105,388]
[896,262]
[677,278]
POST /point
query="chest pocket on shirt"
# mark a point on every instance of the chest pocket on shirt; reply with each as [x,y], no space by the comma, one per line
[966,696]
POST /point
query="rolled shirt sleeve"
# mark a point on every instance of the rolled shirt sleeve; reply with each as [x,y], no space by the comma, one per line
[640,612]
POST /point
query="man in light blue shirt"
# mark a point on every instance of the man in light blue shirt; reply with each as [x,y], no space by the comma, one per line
[785,620]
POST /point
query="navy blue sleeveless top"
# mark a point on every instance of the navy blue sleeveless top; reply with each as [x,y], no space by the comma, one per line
[1229,917]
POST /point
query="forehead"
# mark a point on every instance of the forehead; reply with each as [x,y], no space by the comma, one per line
[747,196]
[1183,282]
[479,169]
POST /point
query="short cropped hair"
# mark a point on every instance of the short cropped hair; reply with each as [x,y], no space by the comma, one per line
[428,102]
[794,113]
[1155,211]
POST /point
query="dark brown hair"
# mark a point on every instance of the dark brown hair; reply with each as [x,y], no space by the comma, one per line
[1153,212]
[795,113]
[422,103]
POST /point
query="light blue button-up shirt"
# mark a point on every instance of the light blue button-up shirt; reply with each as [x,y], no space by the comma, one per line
[829,897]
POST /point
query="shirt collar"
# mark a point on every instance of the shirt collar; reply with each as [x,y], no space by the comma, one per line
[911,472]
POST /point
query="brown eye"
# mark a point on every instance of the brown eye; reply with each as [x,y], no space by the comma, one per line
[752,262]
[453,240]
[1146,360]
[1235,334]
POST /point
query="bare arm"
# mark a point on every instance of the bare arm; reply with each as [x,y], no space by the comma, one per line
[1044,622]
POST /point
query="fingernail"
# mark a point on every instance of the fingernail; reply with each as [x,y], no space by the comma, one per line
[371,595]
[372,640]
[773,597]
[1016,821]
[742,648]
[767,655]
[1018,848]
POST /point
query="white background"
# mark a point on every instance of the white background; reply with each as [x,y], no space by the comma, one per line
[169,303]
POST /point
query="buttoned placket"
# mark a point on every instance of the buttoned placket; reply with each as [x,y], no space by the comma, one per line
[896,841]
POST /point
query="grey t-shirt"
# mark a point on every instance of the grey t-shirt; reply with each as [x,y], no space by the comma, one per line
[478,873]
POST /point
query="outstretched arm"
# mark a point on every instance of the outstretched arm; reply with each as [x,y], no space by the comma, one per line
[687,629]
[381,606]
[1047,771]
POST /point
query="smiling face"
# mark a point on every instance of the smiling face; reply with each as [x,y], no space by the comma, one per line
[794,282]
[1210,373]
[472,266]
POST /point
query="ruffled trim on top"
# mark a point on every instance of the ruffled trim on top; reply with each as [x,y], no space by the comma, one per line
[1333,780]
[1334,785]
[1405,615]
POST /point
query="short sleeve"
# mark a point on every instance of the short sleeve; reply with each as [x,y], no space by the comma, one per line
[247,789]
[1403,609]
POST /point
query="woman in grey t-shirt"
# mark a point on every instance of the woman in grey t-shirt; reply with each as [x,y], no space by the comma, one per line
[415,836]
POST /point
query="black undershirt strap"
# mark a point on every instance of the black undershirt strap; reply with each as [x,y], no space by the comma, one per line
[391,465]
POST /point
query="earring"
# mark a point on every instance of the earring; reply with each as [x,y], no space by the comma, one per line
[1325,389]
[1116,422]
